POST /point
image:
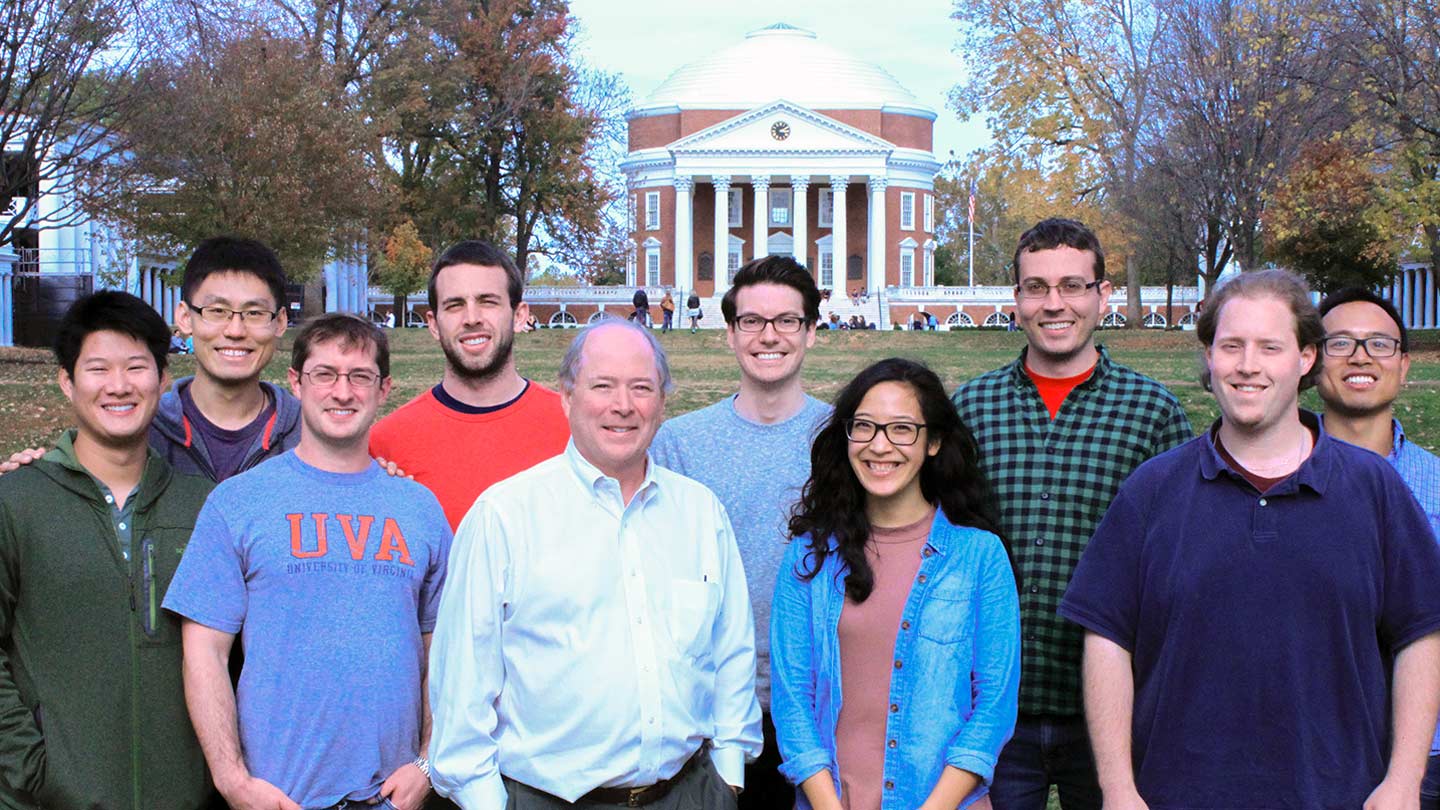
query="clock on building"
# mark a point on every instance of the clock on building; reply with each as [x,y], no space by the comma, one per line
[780,131]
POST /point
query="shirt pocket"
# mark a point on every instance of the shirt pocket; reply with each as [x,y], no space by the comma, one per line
[945,618]
[159,551]
[692,615]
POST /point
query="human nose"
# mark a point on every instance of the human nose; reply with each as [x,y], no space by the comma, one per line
[235,325]
[1248,360]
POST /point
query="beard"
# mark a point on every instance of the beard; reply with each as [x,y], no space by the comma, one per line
[477,369]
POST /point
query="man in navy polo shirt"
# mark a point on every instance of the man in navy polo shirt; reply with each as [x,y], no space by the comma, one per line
[1250,596]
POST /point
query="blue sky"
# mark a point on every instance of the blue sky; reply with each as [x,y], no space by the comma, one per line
[644,40]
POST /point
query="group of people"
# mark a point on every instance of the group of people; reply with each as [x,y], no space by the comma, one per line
[902,599]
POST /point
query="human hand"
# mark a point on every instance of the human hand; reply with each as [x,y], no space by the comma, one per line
[20,458]
[391,469]
[254,793]
[406,788]
[1128,799]
[1390,794]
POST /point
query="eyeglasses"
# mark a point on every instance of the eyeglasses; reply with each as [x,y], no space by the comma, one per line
[358,378]
[900,434]
[1343,346]
[1034,288]
[222,315]
[785,324]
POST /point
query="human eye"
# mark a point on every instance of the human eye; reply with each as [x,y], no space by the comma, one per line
[364,379]
[751,322]
[1383,344]
[1034,289]
[324,376]
[789,322]
[1072,286]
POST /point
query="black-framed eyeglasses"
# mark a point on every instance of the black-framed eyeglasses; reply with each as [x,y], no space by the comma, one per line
[358,377]
[1345,346]
[221,315]
[784,324]
[900,434]
[1069,287]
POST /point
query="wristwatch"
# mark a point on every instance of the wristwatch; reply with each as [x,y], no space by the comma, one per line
[423,764]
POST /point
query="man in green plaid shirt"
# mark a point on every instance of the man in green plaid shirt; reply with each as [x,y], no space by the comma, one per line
[1059,429]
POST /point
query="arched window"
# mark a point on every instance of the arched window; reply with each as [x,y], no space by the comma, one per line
[563,320]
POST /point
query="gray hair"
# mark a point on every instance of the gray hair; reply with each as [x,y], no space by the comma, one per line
[570,363]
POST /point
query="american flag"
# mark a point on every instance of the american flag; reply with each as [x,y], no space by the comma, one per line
[972,200]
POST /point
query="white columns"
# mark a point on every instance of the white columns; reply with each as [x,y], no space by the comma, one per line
[876,281]
[722,231]
[762,216]
[1427,277]
[799,186]
[839,247]
[684,234]
[1408,313]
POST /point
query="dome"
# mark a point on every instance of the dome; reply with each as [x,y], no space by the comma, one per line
[781,62]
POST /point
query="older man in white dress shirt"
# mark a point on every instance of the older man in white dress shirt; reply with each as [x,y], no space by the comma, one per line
[595,641]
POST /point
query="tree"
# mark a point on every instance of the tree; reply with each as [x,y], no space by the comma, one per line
[1071,79]
[66,96]
[1325,219]
[403,267]
[250,139]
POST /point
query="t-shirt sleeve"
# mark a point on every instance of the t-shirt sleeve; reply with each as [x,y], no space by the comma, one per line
[1104,593]
[1174,431]
[209,584]
[1410,606]
[665,449]
[435,575]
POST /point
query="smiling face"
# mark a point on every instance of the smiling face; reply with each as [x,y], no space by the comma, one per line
[115,389]
[1060,331]
[1256,363]
[768,357]
[617,402]
[338,415]
[888,472]
[232,353]
[474,322]
[1361,385]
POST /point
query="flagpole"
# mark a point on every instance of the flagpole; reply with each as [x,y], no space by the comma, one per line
[972,232]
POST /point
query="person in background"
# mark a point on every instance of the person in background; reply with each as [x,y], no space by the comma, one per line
[692,308]
[896,593]
[667,309]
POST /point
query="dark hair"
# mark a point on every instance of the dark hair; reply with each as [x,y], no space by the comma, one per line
[231,254]
[481,254]
[1048,234]
[773,270]
[832,504]
[349,330]
[1279,284]
[1351,295]
[110,311]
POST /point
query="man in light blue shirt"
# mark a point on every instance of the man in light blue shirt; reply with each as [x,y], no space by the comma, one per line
[586,651]
[752,449]
[1366,359]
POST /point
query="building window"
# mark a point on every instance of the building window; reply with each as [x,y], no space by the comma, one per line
[827,269]
[732,265]
[652,267]
[737,207]
[907,210]
[652,210]
[779,206]
[630,211]
[929,267]
[826,219]
[907,267]
[929,213]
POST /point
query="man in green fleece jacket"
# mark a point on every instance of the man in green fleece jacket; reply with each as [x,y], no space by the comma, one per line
[92,710]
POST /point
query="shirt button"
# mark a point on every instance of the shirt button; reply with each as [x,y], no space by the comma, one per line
[1029,636]
[1262,501]
[1044,496]
[922,578]
[927,552]
[1034,589]
[892,744]
[109,498]
[898,664]
[904,625]
[122,525]
[1039,541]
[889,785]
[894,708]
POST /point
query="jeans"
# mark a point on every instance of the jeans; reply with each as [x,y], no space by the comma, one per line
[1430,785]
[1046,751]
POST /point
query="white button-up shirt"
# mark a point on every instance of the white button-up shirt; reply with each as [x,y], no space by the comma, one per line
[583,642]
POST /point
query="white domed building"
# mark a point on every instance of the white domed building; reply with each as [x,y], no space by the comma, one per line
[781,144]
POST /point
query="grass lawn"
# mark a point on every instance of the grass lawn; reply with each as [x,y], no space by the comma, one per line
[32,410]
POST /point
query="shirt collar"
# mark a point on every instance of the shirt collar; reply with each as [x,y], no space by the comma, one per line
[1397,440]
[1314,472]
[1103,364]
[593,479]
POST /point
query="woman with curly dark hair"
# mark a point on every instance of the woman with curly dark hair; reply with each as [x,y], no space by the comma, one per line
[896,593]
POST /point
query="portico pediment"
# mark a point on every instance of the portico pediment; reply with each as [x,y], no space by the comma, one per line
[779,128]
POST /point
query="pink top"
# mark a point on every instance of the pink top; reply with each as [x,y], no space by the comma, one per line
[867,641]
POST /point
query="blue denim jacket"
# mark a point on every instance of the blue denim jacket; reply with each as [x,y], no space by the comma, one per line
[955,687]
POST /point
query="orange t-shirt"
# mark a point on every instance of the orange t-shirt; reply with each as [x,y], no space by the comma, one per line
[458,455]
[1053,390]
